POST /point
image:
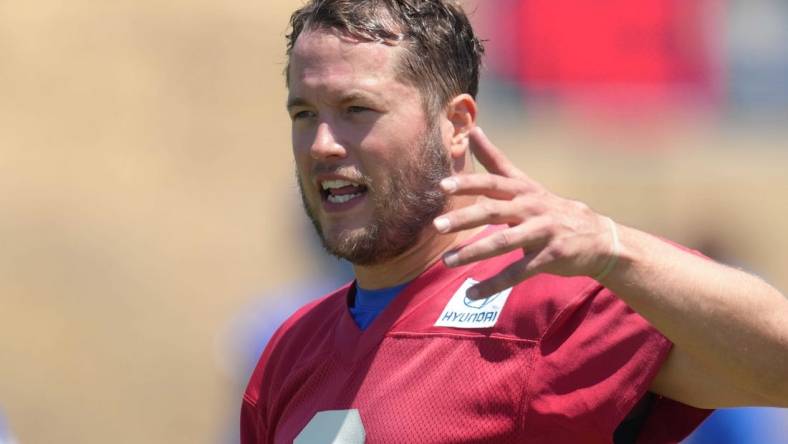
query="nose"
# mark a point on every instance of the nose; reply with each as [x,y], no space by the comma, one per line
[325,144]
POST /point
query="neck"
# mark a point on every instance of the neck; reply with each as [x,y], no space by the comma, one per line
[430,247]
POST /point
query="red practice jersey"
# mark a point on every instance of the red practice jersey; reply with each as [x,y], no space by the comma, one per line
[552,360]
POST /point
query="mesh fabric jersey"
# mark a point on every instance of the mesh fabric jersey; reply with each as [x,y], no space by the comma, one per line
[565,362]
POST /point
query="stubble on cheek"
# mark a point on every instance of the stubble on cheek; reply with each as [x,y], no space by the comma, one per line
[404,202]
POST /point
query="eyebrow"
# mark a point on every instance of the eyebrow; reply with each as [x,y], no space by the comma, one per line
[296,101]
[356,96]
[350,97]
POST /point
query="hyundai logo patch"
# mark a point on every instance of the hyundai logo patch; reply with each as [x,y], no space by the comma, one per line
[463,312]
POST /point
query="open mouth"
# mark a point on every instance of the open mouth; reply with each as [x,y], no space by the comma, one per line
[341,191]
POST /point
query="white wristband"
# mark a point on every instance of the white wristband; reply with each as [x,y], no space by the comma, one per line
[611,262]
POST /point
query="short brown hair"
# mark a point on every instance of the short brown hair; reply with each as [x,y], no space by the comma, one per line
[441,57]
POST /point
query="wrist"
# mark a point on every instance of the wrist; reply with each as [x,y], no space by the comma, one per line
[613,252]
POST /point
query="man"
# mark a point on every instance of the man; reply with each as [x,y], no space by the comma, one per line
[485,308]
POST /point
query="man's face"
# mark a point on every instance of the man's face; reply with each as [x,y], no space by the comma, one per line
[368,161]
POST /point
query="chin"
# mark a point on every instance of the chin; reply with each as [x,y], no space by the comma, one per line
[357,245]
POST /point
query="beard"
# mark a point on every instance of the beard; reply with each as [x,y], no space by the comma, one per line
[405,201]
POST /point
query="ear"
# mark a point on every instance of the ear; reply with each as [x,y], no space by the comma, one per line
[461,112]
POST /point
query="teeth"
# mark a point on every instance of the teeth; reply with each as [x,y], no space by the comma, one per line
[327,184]
[343,198]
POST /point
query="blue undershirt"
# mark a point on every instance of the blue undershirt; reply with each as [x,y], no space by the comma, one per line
[370,303]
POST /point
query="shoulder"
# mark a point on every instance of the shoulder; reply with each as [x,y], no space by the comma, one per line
[314,316]
[542,304]
[296,337]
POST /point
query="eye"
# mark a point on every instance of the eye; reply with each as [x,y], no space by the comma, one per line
[304,114]
[357,109]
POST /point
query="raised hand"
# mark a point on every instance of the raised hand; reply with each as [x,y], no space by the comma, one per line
[557,235]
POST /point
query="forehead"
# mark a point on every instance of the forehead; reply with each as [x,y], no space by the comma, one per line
[327,59]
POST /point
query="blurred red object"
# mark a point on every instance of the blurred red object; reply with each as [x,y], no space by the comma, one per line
[609,51]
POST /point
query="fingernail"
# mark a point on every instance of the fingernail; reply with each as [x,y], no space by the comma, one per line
[442,224]
[449,184]
[472,293]
[451,259]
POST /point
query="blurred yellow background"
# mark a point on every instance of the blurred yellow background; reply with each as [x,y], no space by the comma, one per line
[147,198]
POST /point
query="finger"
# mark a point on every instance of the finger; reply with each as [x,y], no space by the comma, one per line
[485,212]
[506,278]
[493,159]
[490,185]
[534,262]
[529,235]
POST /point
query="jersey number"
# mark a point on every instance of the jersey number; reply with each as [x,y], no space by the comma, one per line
[333,427]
